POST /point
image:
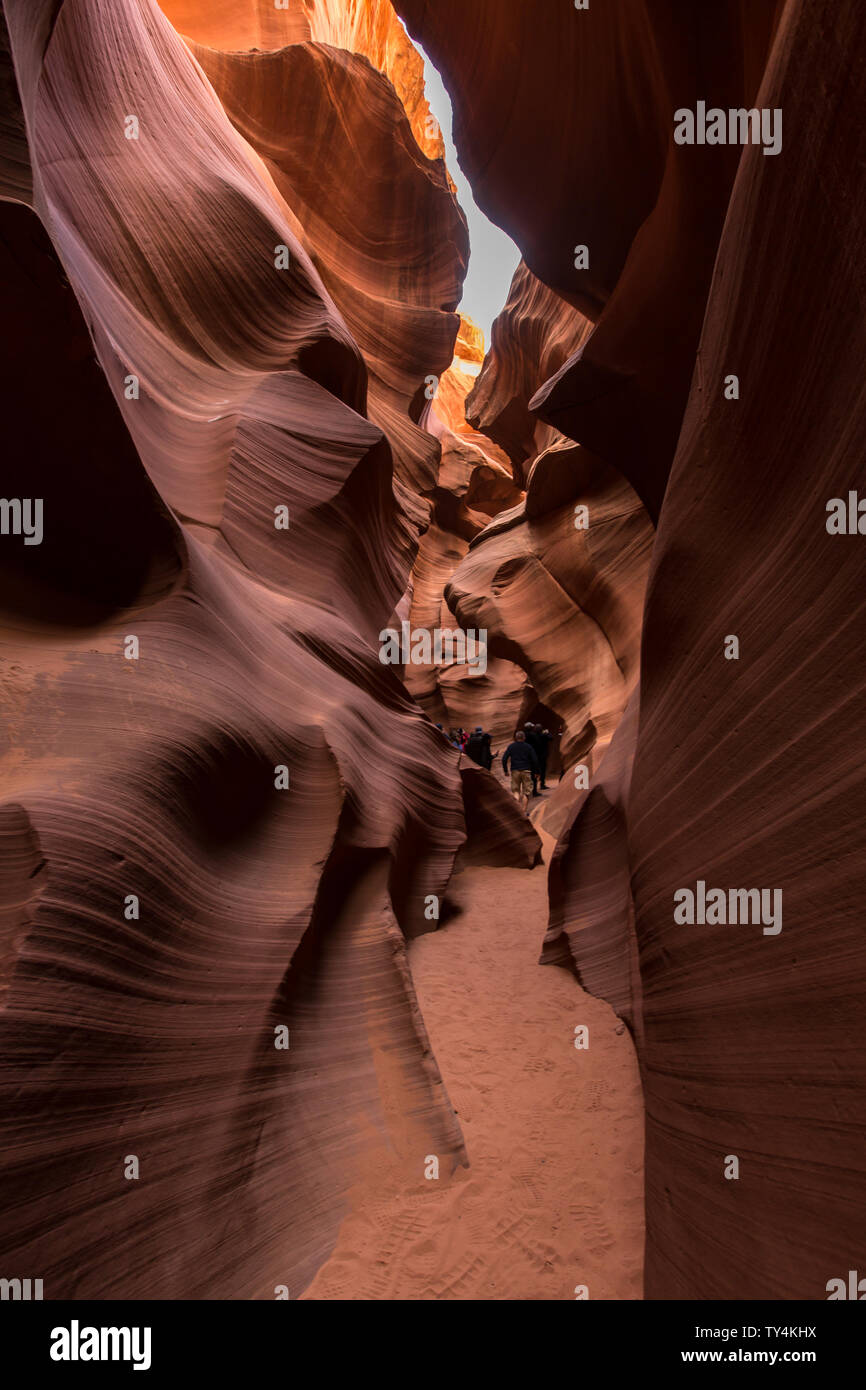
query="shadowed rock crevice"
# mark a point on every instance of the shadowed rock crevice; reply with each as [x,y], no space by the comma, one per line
[106,542]
[704,262]
[237,378]
[178,879]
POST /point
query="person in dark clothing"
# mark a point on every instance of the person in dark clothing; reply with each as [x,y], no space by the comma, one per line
[478,748]
[545,739]
[523,764]
[532,731]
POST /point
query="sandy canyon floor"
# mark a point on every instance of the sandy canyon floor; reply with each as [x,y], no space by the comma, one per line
[553,1195]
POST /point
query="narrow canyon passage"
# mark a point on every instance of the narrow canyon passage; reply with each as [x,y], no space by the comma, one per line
[553,1195]
[392,385]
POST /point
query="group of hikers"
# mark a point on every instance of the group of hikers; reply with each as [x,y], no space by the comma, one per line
[526,755]
[476,745]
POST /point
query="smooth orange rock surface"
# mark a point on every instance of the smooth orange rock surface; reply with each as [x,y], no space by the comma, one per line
[706,261]
[749,772]
[533,336]
[369,27]
[236,375]
[377,218]
[564,603]
[202,852]
[596,167]
[475,483]
[592,926]
[470,342]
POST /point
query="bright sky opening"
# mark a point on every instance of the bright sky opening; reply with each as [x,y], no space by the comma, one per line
[493,257]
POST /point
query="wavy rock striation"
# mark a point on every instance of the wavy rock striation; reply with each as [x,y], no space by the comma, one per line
[746,772]
[559,580]
[741,773]
[564,601]
[368,27]
[651,232]
[204,970]
[474,484]
[533,336]
[378,220]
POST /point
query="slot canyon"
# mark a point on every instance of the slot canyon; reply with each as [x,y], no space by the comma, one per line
[296,999]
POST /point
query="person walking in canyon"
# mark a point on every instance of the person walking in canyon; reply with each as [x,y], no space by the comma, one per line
[532,732]
[478,748]
[542,748]
[539,741]
[524,766]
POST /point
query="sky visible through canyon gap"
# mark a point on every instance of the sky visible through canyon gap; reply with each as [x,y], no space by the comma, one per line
[494,256]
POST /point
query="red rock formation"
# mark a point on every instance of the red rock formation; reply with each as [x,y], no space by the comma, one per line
[651,229]
[15,179]
[369,27]
[169,904]
[240,25]
[469,347]
[378,220]
[748,773]
[745,771]
[564,603]
[490,826]
[592,928]
[474,484]
[535,334]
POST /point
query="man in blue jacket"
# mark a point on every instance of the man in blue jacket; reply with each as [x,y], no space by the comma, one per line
[523,764]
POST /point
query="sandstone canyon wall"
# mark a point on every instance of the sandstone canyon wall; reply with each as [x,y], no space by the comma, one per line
[208,879]
[236,371]
[706,261]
